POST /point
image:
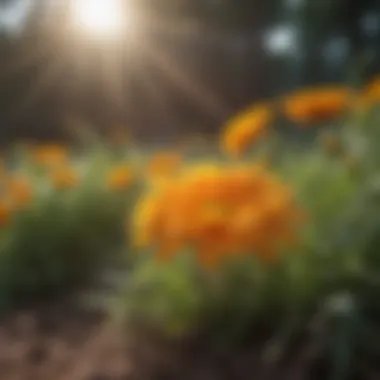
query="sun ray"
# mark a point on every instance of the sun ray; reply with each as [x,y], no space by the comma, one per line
[188,83]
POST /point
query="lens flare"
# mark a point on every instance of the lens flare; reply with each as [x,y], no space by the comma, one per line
[99,17]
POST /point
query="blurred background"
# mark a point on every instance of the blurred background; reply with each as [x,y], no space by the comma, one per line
[163,68]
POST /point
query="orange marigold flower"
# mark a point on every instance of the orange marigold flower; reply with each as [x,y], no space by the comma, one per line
[245,129]
[64,178]
[20,191]
[220,213]
[164,165]
[316,105]
[5,212]
[50,155]
[120,178]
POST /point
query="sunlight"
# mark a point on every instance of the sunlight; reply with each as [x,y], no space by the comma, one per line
[100,18]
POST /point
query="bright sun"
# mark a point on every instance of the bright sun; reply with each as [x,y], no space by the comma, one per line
[99,17]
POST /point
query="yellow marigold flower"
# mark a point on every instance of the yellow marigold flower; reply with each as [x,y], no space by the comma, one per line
[220,213]
[64,178]
[316,105]
[120,178]
[50,155]
[19,190]
[164,165]
[245,129]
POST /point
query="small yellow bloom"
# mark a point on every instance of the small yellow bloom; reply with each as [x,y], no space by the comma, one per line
[120,178]
[50,155]
[164,165]
[19,190]
[64,178]
[316,105]
[245,129]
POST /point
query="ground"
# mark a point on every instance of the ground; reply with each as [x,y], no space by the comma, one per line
[60,343]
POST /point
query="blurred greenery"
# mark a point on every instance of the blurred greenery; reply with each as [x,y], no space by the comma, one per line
[62,236]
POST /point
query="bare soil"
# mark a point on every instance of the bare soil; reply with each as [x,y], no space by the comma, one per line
[61,342]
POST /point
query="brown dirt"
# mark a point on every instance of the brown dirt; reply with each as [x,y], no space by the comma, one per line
[60,343]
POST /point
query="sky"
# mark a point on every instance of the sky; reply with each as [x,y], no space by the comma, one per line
[12,17]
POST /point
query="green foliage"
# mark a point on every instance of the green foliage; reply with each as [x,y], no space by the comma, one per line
[62,237]
[177,299]
[165,296]
[334,271]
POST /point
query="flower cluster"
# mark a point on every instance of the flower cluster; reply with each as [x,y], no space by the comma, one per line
[219,212]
